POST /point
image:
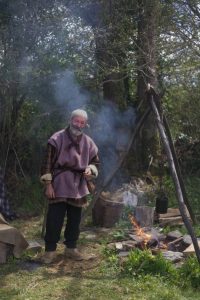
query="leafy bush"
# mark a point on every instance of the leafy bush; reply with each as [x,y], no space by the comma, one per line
[190,271]
[143,262]
[192,188]
[28,197]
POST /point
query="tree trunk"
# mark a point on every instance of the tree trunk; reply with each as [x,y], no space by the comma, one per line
[148,15]
[111,61]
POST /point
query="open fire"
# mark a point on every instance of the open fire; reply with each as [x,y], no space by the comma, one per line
[152,239]
[140,231]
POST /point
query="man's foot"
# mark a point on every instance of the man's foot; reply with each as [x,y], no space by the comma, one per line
[48,257]
[76,255]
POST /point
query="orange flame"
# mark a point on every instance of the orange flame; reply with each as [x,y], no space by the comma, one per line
[139,231]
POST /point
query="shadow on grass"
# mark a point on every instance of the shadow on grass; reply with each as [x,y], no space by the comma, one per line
[77,275]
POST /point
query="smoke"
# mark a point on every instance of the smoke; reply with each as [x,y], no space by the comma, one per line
[68,92]
[110,128]
[112,131]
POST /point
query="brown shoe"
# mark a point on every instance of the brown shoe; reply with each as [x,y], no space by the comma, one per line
[76,255]
[48,257]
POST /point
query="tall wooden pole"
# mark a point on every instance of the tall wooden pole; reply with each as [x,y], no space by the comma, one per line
[185,197]
[175,159]
[172,166]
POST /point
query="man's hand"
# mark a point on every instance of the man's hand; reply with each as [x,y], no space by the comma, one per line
[88,173]
[49,192]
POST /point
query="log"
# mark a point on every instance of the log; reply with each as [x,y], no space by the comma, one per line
[178,220]
[172,166]
[171,212]
[175,241]
[190,250]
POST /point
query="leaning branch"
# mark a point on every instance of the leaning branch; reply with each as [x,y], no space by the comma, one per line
[172,166]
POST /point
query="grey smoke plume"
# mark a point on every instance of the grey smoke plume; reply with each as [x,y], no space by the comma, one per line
[109,127]
[112,131]
[68,92]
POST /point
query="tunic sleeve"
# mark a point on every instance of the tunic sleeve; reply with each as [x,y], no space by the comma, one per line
[94,165]
[47,165]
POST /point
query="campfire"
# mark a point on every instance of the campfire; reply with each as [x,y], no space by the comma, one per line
[140,232]
[174,246]
[147,223]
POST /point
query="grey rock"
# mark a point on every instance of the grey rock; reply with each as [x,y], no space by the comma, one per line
[173,256]
[187,239]
[173,235]
[123,253]
[138,239]
[129,245]
[91,236]
[119,246]
[34,246]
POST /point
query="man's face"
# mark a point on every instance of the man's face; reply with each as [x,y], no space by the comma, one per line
[79,122]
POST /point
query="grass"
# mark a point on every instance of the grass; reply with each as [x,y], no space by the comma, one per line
[99,280]
[44,284]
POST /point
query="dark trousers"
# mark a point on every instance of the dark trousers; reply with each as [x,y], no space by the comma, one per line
[55,219]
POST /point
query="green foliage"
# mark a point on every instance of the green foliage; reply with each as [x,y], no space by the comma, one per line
[28,197]
[192,188]
[124,221]
[144,262]
[190,271]
[170,191]
[119,235]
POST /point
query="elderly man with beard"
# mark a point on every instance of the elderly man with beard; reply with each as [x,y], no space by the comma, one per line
[71,161]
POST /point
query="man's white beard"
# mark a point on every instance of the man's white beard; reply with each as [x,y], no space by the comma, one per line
[75,130]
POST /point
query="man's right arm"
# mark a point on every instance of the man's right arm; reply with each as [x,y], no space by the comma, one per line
[46,170]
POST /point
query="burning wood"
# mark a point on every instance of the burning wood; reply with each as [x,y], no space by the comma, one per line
[147,240]
[173,246]
[140,232]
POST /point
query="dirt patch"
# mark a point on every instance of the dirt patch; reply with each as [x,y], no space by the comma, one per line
[69,266]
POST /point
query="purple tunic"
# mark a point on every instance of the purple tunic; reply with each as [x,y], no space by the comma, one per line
[68,184]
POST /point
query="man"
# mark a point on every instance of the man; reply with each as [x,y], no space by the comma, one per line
[71,161]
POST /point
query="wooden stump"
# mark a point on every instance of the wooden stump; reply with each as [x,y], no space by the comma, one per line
[106,212]
[144,215]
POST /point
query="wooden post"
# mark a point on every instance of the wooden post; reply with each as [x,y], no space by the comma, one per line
[177,185]
[169,137]
[178,170]
[44,218]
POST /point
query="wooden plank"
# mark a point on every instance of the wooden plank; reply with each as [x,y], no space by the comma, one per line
[171,221]
[173,212]
[190,250]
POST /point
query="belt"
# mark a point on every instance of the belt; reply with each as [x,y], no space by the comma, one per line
[66,168]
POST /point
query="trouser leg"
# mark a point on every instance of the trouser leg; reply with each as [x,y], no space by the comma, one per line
[72,230]
[55,218]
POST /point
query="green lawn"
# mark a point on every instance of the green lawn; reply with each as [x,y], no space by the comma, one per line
[77,280]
